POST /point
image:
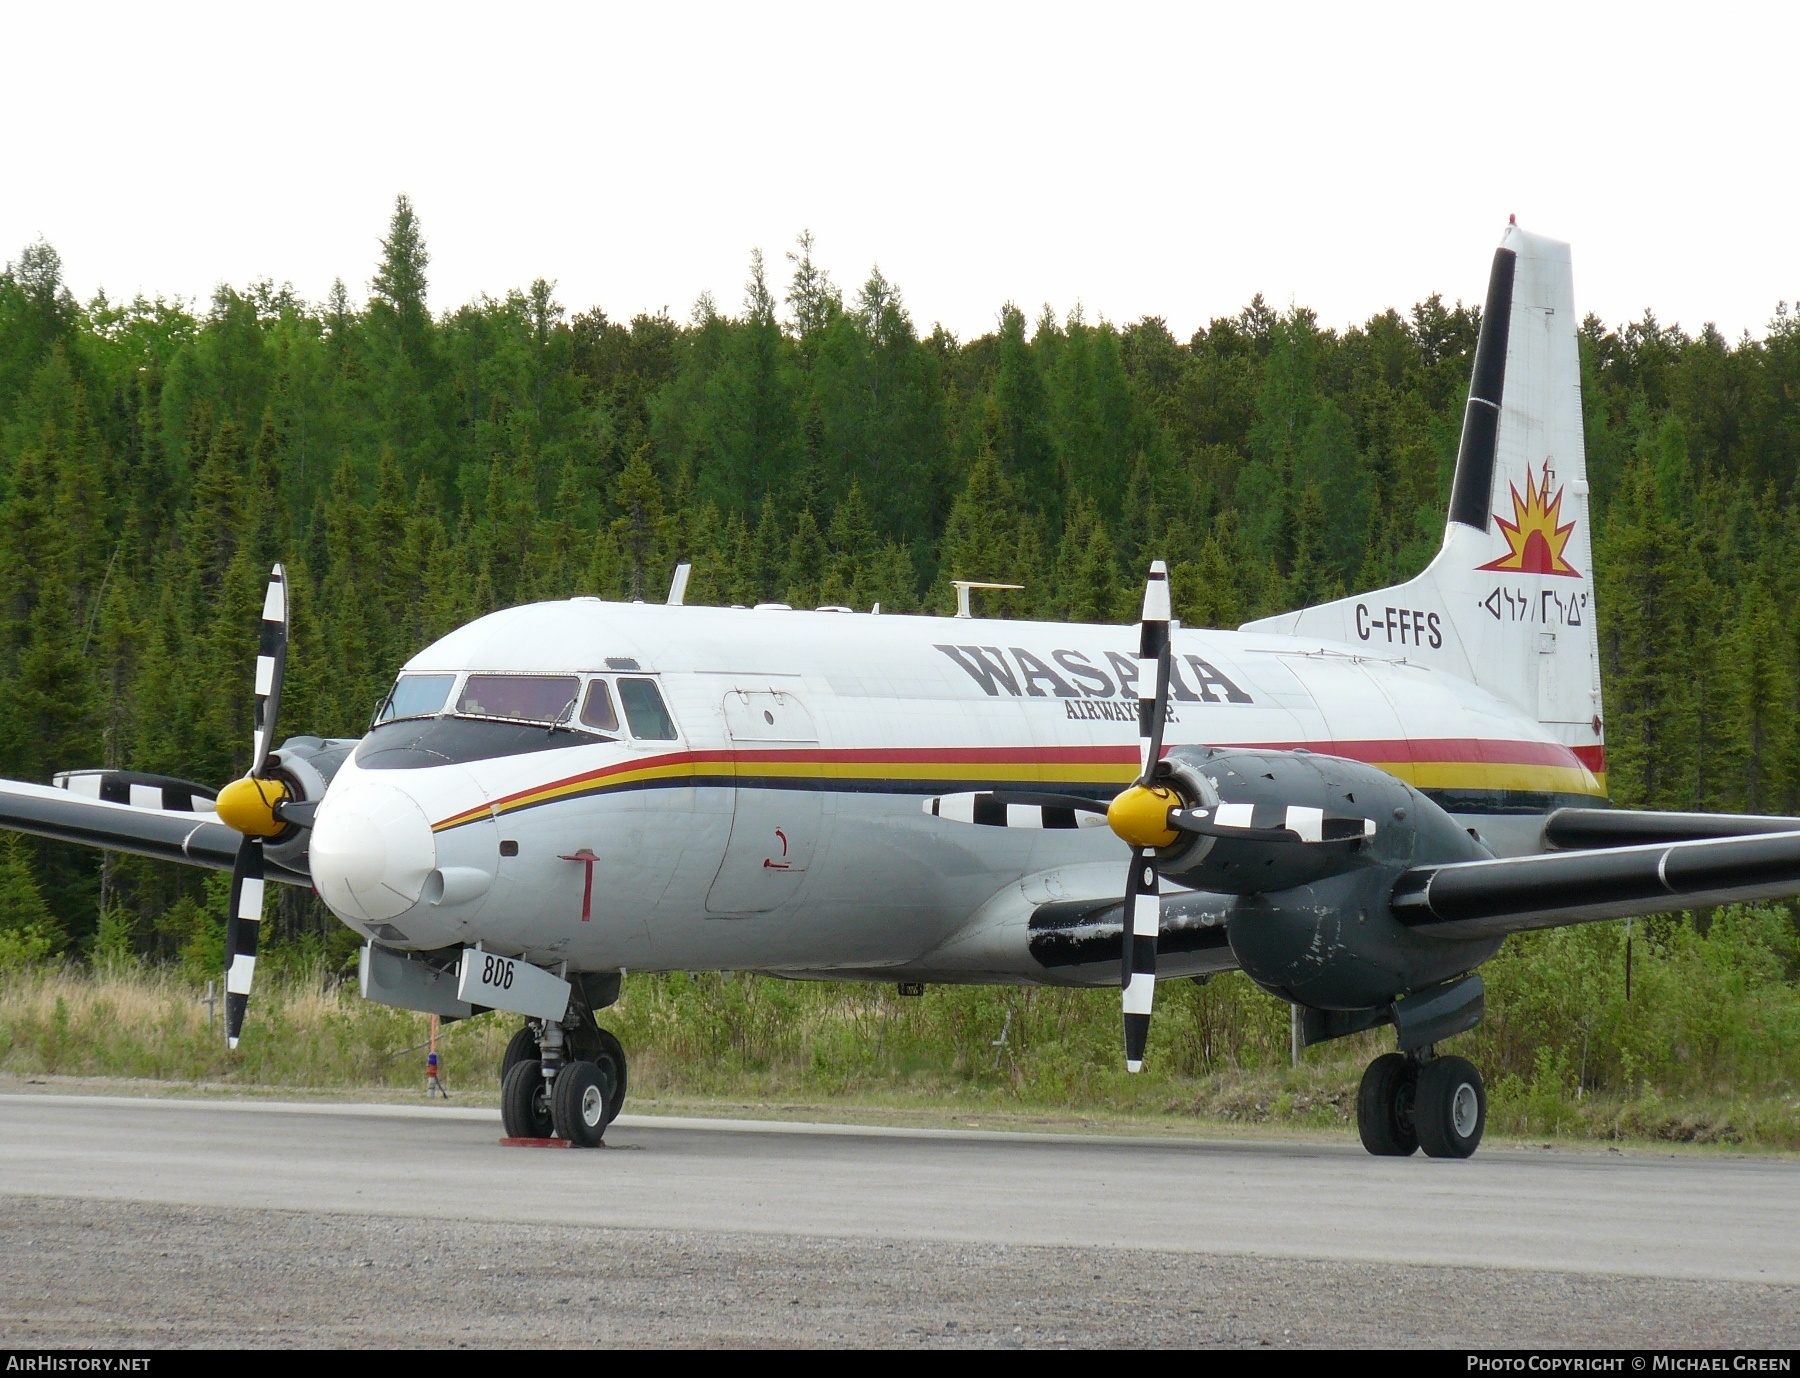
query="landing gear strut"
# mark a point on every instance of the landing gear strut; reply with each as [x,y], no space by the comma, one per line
[1417,1100]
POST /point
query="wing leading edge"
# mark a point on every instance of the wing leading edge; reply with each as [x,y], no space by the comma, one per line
[1488,899]
[1575,829]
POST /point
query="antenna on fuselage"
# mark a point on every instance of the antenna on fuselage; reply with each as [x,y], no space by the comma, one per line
[678,585]
[962,587]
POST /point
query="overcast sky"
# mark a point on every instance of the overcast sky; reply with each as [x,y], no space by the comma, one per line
[1136,159]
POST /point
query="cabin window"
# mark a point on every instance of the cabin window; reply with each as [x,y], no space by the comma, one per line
[644,710]
[597,711]
[520,698]
[416,696]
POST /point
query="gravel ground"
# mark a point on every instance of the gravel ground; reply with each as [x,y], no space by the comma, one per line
[77,1272]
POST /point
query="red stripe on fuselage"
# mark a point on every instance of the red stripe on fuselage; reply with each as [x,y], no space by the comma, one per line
[1473,750]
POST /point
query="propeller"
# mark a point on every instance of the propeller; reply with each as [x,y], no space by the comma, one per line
[1142,815]
[252,805]
[1139,814]
[1148,815]
[1005,808]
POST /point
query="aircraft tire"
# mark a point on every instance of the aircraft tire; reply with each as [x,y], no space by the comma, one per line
[524,1108]
[1450,1107]
[611,1062]
[1384,1111]
[579,1104]
[523,1045]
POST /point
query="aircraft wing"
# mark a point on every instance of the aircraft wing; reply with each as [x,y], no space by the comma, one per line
[164,834]
[1487,899]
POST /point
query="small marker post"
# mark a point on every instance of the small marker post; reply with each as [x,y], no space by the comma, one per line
[433,1086]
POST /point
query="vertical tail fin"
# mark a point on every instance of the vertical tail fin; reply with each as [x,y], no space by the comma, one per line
[1509,600]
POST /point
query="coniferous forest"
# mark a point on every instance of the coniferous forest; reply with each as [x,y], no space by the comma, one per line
[812,444]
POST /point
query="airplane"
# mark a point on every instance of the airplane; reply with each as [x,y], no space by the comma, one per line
[1353,803]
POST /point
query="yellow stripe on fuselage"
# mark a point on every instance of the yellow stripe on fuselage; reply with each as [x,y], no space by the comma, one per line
[1013,766]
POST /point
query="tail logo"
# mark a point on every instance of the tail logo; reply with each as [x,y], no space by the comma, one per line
[1534,540]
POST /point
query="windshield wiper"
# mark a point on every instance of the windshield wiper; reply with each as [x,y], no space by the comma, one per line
[562,718]
[385,702]
[552,726]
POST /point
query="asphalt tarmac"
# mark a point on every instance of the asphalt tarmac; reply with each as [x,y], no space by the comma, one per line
[155,1221]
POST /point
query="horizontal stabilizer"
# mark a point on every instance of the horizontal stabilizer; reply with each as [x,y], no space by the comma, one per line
[1488,899]
[193,839]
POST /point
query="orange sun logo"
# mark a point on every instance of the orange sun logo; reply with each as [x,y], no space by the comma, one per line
[1535,542]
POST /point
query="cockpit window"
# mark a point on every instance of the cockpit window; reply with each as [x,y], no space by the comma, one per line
[415,696]
[597,712]
[644,710]
[520,698]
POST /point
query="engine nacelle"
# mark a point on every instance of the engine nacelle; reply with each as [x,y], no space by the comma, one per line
[1269,788]
[1312,922]
[306,765]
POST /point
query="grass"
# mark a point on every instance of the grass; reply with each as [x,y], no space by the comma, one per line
[1706,1052]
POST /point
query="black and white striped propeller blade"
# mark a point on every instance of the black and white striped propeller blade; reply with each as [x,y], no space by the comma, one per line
[1272,823]
[1153,671]
[271,665]
[1137,964]
[242,926]
[1018,809]
[253,810]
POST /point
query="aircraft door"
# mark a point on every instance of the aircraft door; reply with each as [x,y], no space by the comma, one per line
[776,808]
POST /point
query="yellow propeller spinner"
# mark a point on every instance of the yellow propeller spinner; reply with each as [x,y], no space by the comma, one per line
[249,806]
[1140,815]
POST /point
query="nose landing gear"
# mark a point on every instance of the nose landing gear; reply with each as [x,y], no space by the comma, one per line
[1411,1101]
[565,1081]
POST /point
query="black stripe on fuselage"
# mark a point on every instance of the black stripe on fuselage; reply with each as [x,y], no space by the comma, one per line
[1491,802]
[818,785]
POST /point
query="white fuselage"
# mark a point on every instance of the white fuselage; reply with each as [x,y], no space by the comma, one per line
[782,828]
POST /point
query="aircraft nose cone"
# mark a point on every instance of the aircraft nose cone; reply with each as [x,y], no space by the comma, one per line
[371,852]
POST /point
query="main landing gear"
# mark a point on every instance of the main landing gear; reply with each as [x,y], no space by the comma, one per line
[1410,1101]
[563,1081]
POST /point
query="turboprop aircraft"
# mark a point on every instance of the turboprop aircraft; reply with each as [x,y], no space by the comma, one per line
[1354,803]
